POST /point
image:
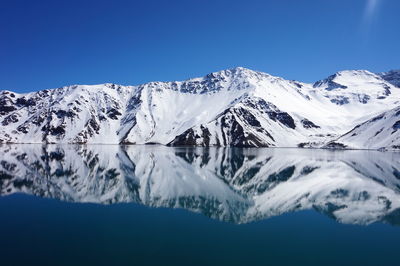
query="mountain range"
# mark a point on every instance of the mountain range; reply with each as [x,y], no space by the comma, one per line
[239,107]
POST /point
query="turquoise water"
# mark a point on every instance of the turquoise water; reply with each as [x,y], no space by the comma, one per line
[114,205]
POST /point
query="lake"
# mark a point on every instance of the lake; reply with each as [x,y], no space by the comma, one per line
[156,205]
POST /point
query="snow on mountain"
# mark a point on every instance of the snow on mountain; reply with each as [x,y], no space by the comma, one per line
[379,132]
[70,114]
[359,93]
[236,107]
[228,184]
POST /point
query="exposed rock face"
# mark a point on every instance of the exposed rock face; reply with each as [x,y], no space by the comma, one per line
[236,107]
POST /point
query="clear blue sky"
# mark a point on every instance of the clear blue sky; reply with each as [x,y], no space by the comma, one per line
[48,44]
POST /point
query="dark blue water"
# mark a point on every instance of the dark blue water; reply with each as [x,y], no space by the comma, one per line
[56,209]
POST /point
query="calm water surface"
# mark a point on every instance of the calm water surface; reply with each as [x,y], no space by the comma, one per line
[154,205]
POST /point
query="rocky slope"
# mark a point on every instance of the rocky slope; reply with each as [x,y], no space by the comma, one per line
[236,107]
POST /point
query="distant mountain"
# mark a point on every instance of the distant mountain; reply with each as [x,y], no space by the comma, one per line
[235,107]
[228,184]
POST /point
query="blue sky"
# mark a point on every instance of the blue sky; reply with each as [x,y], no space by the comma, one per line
[48,44]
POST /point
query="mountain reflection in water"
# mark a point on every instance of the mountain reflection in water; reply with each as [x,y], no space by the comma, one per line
[229,184]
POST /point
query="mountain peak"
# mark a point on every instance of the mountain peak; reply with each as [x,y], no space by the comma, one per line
[238,72]
[341,79]
[354,72]
[239,69]
[234,71]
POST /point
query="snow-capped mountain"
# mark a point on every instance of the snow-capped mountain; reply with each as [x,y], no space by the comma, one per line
[228,184]
[236,107]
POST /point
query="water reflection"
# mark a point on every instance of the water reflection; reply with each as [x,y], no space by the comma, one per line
[228,184]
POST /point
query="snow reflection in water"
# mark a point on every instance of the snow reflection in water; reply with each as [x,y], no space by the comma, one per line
[228,184]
